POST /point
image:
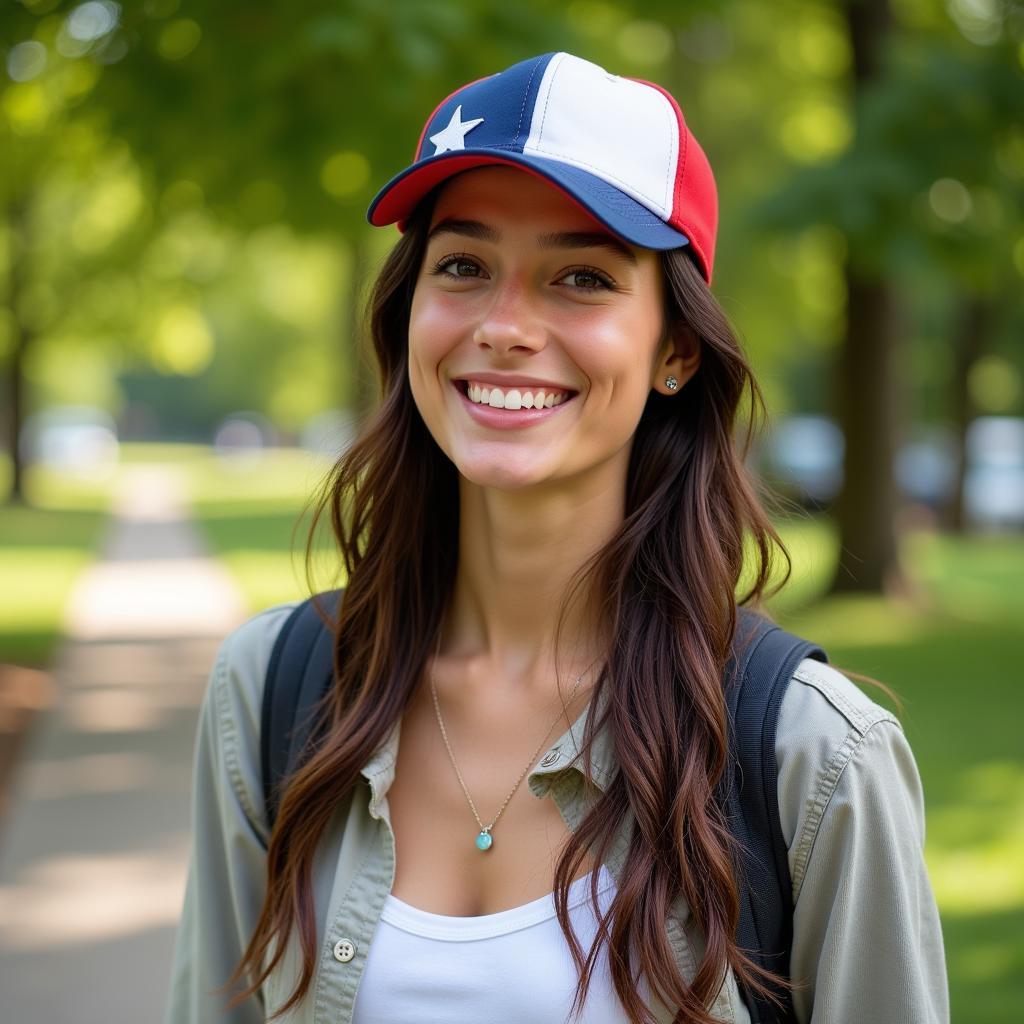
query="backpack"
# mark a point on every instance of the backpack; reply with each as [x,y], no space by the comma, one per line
[759,668]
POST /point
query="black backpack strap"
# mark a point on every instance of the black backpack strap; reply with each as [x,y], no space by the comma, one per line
[760,667]
[299,673]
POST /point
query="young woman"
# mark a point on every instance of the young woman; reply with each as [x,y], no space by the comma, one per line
[543,528]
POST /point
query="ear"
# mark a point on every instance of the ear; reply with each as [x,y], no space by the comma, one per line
[679,358]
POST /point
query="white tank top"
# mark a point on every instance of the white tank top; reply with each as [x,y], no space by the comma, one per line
[506,968]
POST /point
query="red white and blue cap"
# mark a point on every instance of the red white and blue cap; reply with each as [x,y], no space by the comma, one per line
[619,147]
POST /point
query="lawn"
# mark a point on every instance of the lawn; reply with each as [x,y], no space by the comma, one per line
[44,545]
[953,657]
[254,516]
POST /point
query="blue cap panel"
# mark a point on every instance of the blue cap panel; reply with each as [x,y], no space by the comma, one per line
[505,102]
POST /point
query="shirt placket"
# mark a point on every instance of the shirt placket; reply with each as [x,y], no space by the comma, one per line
[347,941]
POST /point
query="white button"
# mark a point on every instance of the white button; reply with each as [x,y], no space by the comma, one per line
[344,950]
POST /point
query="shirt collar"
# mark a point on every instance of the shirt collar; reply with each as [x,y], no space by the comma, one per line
[379,771]
[560,757]
[563,755]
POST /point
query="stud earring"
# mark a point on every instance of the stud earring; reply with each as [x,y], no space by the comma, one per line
[671,383]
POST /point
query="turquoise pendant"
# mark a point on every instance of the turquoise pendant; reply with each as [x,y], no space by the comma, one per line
[484,840]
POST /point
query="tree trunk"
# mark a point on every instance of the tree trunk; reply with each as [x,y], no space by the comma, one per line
[23,336]
[970,340]
[867,405]
[363,390]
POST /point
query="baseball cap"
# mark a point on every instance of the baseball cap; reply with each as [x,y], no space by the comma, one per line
[620,147]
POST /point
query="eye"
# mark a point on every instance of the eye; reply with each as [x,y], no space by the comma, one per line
[588,279]
[458,265]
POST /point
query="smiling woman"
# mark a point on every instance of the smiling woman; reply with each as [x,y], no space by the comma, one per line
[548,515]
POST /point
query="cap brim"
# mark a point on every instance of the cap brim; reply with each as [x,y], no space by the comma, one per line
[618,212]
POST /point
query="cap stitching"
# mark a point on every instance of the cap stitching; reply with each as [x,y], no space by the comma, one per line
[522,109]
[673,124]
[547,100]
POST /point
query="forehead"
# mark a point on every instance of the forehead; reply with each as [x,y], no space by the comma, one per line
[513,195]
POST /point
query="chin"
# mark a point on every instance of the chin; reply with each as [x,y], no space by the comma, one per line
[500,473]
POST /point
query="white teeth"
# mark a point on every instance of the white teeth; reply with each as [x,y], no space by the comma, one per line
[514,398]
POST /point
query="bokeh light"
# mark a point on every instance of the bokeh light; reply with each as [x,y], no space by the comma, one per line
[950,200]
[179,39]
[344,174]
[26,60]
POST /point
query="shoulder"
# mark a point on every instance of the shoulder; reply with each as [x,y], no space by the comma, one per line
[246,649]
[240,669]
[823,711]
[833,744]
[234,696]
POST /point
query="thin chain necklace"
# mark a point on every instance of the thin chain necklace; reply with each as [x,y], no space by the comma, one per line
[484,839]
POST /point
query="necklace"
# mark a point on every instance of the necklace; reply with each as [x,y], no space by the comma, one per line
[484,839]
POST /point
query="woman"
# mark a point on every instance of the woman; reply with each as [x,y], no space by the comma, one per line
[543,527]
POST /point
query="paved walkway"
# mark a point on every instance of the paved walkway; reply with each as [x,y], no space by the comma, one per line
[93,854]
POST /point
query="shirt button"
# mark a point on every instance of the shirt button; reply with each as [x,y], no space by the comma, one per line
[550,757]
[344,950]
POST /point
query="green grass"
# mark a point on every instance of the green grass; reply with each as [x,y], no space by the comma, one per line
[252,513]
[44,545]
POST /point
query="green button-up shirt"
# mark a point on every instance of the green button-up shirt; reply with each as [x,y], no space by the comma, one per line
[867,944]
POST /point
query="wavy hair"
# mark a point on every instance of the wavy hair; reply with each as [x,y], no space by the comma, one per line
[666,589]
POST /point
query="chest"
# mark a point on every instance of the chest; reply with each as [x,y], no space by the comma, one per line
[438,867]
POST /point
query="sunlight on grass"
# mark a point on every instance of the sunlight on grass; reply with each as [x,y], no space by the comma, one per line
[976,843]
[266,578]
[857,620]
[254,513]
[44,545]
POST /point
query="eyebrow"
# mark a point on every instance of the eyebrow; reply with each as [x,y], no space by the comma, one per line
[555,240]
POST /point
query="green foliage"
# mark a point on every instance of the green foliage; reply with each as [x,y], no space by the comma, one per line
[300,111]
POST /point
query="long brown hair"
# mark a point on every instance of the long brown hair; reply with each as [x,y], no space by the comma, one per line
[666,586]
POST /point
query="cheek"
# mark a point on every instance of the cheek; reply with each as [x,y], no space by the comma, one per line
[434,330]
[618,356]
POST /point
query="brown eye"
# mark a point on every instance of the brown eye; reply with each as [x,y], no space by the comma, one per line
[587,280]
[458,266]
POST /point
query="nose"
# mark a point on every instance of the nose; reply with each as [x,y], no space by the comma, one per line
[509,323]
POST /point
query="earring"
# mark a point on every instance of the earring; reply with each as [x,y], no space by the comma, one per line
[671,383]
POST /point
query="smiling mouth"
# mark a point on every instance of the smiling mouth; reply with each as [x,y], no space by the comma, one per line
[513,398]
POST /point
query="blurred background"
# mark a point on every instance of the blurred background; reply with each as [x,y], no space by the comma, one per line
[183,265]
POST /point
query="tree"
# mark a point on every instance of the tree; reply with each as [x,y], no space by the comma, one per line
[927,106]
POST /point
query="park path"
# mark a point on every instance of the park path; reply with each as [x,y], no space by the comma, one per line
[93,853]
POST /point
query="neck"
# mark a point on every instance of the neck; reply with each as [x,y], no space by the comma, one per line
[519,551]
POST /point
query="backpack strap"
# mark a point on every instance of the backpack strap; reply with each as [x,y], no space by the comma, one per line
[762,662]
[298,675]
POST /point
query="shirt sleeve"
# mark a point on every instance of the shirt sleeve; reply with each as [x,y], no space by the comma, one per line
[867,941]
[227,861]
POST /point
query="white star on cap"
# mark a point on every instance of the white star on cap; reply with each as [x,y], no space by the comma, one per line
[454,136]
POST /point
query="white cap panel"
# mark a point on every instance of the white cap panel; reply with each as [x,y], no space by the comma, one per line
[619,130]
